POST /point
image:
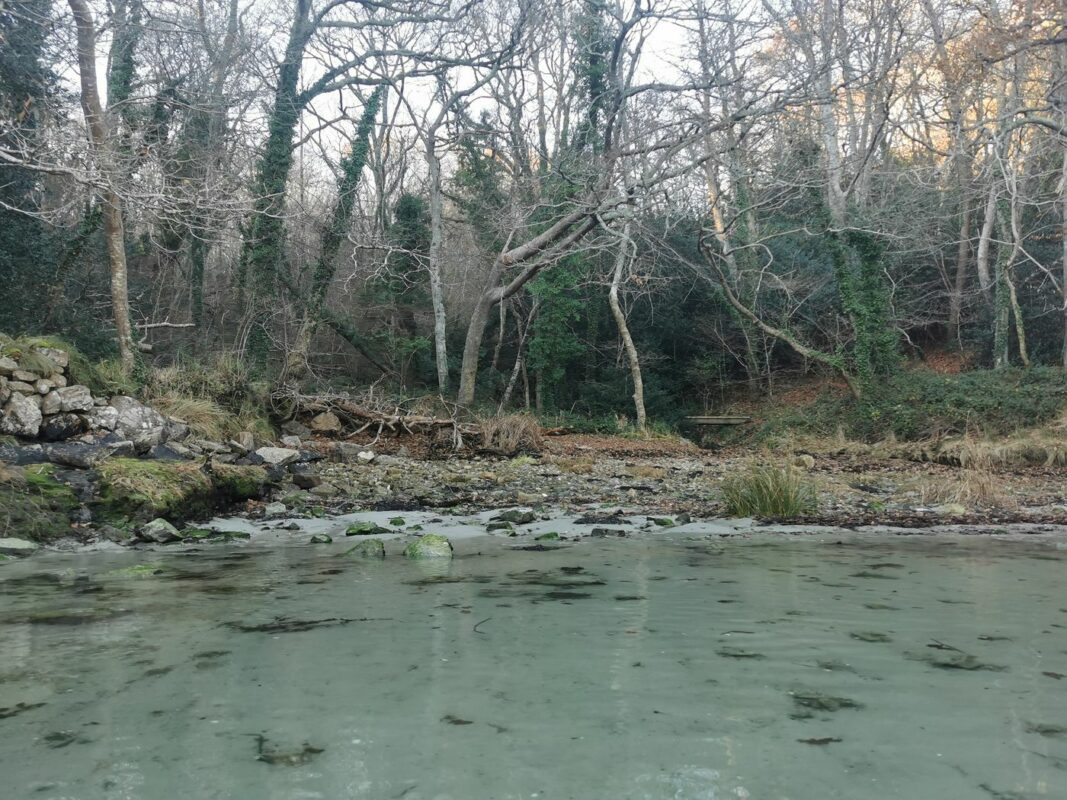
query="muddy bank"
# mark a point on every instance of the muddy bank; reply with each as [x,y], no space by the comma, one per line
[579,486]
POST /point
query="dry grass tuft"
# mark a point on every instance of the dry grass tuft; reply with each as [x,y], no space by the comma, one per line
[575,466]
[972,487]
[769,492]
[511,434]
[203,417]
[646,471]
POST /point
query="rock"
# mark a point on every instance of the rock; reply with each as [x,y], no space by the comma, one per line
[325,490]
[804,461]
[365,529]
[274,509]
[347,453]
[516,517]
[278,456]
[75,398]
[82,455]
[366,456]
[5,392]
[306,480]
[222,458]
[43,386]
[950,510]
[21,387]
[159,531]
[51,403]
[166,452]
[143,426]
[58,357]
[294,428]
[179,449]
[326,422]
[62,426]
[11,546]
[320,538]
[142,489]
[24,454]
[245,441]
[368,548]
[57,379]
[208,446]
[431,545]
[25,376]
[7,366]
[20,417]
[103,418]
[175,430]
[291,441]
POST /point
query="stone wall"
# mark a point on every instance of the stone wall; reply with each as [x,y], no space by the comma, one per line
[39,402]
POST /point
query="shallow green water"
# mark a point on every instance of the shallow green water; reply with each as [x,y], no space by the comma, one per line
[666,668]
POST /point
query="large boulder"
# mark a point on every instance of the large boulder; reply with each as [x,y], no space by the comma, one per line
[326,422]
[159,531]
[431,545]
[75,398]
[51,403]
[62,426]
[143,426]
[20,417]
[7,365]
[278,456]
[103,418]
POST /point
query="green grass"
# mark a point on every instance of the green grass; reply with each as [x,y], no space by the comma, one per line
[769,492]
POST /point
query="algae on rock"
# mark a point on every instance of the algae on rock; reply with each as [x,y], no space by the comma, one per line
[34,503]
[431,545]
[144,490]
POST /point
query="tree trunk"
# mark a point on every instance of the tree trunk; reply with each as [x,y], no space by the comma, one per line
[622,258]
[437,296]
[104,155]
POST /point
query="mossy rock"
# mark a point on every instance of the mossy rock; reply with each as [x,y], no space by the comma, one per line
[365,529]
[143,490]
[431,545]
[368,548]
[136,571]
[34,504]
[236,482]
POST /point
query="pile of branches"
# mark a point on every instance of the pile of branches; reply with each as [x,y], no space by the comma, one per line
[445,424]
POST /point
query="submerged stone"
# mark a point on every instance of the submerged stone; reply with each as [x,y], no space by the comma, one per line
[431,545]
[11,546]
[136,571]
[368,548]
[321,538]
[516,517]
[870,636]
[823,702]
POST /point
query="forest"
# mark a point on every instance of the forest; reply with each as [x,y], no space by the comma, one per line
[621,211]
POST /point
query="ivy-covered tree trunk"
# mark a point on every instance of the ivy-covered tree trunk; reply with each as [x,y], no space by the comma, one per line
[861,283]
[340,221]
[263,252]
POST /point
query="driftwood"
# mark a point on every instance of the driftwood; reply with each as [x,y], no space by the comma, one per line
[363,418]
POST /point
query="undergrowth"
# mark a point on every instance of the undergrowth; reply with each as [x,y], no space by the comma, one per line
[920,405]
